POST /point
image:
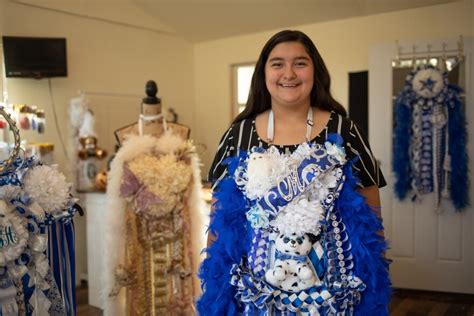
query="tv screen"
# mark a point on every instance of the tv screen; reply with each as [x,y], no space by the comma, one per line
[34,57]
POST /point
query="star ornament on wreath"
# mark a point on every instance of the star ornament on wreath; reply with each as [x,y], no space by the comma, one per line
[428,81]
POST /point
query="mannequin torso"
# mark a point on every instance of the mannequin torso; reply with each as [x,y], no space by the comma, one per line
[151,107]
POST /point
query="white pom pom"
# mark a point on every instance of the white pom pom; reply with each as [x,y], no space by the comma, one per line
[48,187]
[258,170]
[300,217]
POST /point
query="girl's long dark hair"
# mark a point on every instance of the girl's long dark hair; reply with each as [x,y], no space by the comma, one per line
[259,98]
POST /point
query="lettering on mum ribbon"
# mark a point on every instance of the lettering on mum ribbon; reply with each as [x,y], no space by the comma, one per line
[7,236]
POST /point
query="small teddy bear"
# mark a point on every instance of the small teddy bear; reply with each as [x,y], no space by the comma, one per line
[292,270]
[259,170]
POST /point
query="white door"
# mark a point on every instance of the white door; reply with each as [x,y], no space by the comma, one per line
[431,249]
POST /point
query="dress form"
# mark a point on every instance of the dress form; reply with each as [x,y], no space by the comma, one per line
[151,247]
[151,108]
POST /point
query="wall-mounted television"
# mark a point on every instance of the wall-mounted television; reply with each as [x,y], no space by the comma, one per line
[34,57]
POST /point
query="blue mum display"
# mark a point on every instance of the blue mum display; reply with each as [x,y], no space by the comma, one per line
[429,145]
[230,287]
[42,275]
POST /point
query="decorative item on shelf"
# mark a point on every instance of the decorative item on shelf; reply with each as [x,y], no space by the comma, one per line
[44,152]
[90,158]
[101,180]
[90,161]
[24,118]
[28,117]
[40,121]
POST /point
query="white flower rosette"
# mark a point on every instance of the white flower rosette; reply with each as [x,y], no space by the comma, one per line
[336,151]
[13,235]
[299,217]
[264,170]
[48,187]
[428,82]
[9,191]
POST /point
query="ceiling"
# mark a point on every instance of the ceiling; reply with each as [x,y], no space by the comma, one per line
[202,20]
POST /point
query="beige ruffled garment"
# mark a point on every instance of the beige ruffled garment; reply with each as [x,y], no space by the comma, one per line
[159,189]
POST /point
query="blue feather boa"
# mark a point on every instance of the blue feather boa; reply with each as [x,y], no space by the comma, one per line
[234,235]
[367,247]
[401,144]
[229,224]
[459,181]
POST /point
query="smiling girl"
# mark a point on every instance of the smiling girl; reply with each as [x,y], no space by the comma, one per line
[291,166]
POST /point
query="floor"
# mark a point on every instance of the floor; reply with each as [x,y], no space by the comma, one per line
[84,309]
[404,303]
[425,303]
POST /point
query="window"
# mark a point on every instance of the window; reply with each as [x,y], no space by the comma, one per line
[242,77]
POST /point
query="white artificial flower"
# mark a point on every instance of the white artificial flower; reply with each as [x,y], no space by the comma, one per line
[302,152]
[7,192]
[38,242]
[13,235]
[257,217]
[428,82]
[259,170]
[320,191]
[329,179]
[48,187]
[280,166]
[336,151]
[300,216]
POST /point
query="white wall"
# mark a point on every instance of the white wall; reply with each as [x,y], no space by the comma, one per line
[101,57]
[344,45]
